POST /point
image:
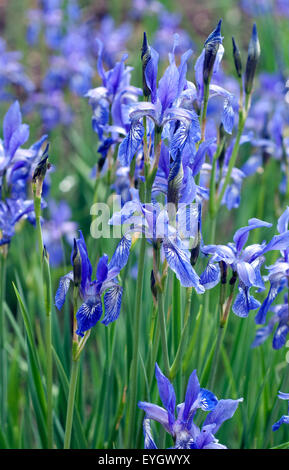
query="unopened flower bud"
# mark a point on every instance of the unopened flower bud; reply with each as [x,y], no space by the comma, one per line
[175,180]
[40,172]
[252,60]
[76,263]
[211,49]
[153,286]
[145,57]
[237,58]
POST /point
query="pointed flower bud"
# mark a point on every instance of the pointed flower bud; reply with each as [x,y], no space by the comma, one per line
[153,286]
[76,263]
[175,180]
[211,49]
[40,172]
[252,60]
[145,57]
[237,58]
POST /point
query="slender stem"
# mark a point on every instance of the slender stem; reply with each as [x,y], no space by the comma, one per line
[49,372]
[183,341]
[134,365]
[70,404]
[163,333]
[37,210]
[46,279]
[204,112]
[220,338]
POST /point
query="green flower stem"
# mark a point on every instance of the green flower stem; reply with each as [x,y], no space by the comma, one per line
[163,333]
[37,210]
[73,375]
[3,368]
[70,404]
[224,316]
[48,335]
[184,336]
[46,278]
[134,365]
[177,312]
[212,200]
[204,112]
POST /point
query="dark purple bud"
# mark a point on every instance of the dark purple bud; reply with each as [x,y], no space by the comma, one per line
[145,57]
[233,278]
[175,180]
[211,48]
[153,286]
[223,268]
[76,263]
[252,60]
[237,58]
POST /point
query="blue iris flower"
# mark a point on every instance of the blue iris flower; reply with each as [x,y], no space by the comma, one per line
[153,222]
[284,418]
[185,433]
[165,107]
[246,262]
[16,169]
[279,271]
[91,291]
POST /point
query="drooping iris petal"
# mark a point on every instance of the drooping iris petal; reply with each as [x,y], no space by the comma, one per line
[112,304]
[263,333]
[149,443]
[120,257]
[283,419]
[228,116]
[260,318]
[187,134]
[156,413]
[179,262]
[280,335]
[88,315]
[130,143]
[62,290]
[167,394]
[224,410]
[211,276]
[244,302]
[246,273]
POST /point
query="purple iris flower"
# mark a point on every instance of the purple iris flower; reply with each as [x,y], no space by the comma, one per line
[281,318]
[165,107]
[91,291]
[16,169]
[185,433]
[112,99]
[284,418]
[279,271]
[152,222]
[246,262]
